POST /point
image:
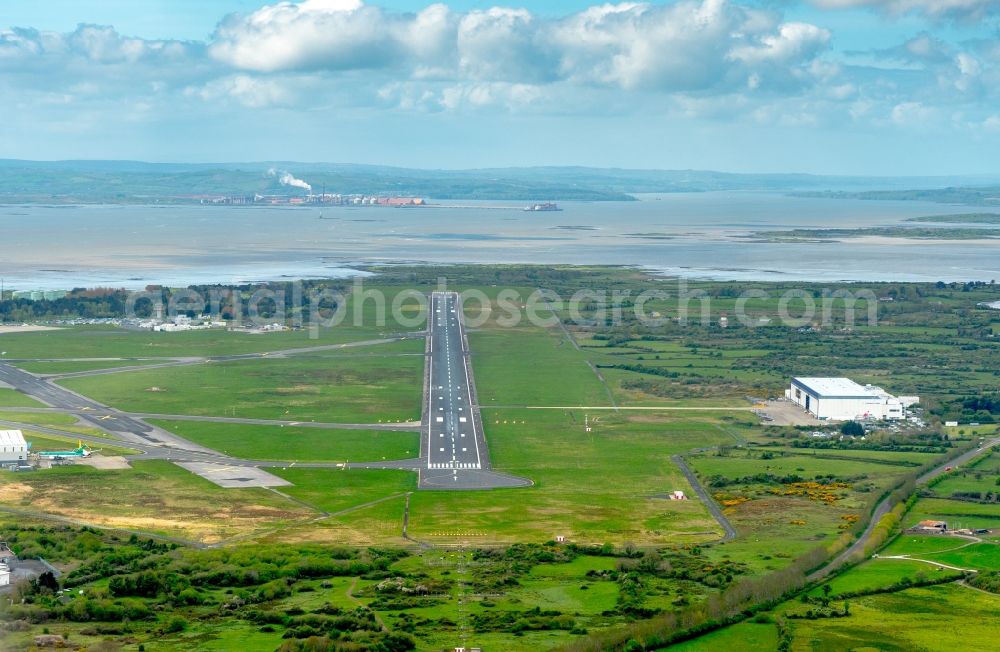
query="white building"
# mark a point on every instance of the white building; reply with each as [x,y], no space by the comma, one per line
[841,399]
[13,448]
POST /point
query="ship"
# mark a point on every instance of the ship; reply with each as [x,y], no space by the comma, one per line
[544,206]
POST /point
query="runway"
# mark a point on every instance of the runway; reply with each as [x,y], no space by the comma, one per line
[452,430]
[454,452]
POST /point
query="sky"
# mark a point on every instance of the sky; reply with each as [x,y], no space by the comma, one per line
[875,87]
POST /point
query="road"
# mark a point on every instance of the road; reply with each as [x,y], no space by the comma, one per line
[886,505]
[710,504]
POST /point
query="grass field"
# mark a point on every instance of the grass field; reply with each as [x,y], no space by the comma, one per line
[532,366]
[745,637]
[598,486]
[297,444]
[978,556]
[334,490]
[983,476]
[153,496]
[110,342]
[13,398]
[65,422]
[945,618]
[878,573]
[344,389]
[920,545]
[71,366]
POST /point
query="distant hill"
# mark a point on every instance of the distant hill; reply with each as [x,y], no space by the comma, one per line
[143,182]
[969,195]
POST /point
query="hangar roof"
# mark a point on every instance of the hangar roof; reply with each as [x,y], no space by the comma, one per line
[834,387]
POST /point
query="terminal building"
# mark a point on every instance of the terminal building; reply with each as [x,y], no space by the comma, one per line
[842,399]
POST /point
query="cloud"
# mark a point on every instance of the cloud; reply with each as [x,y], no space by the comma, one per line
[327,34]
[688,45]
[964,10]
[697,60]
[249,91]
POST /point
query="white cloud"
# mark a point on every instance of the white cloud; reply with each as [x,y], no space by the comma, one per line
[950,9]
[253,92]
[702,60]
[328,34]
[688,45]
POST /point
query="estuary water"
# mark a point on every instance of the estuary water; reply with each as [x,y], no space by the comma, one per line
[702,235]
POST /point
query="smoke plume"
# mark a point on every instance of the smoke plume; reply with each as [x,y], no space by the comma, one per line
[286,179]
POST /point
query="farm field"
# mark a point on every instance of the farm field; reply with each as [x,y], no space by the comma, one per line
[292,444]
[944,617]
[879,573]
[745,636]
[350,390]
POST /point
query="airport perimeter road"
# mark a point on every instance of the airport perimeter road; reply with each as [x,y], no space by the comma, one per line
[729,532]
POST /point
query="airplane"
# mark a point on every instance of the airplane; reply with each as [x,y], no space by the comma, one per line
[81,451]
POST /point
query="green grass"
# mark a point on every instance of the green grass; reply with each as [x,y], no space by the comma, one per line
[805,465]
[334,490]
[13,398]
[589,486]
[346,389]
[110,342]
[71,366]
[290,443]
[745,637]
[919,545]
[372,517]
[878,573]
[982,476]
[980,556]
[967,481]
[868,456]
[65,422]
[938,618]
[532,366]
[54,419]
